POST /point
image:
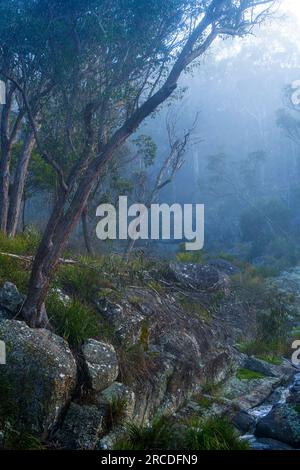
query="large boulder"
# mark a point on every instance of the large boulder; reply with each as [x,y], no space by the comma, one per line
[38,378]
[101,364]
[82,428]
[282,424]
[199,276]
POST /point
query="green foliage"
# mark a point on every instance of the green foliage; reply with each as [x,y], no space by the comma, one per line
[80,281]
[134,300]
[211,387]
[17,270]
[190,256]
[297,408]
[164,434]
[74,321]
[214,434]
[246,374]
[156,286]
[203,401]
[23,244]
[271,359]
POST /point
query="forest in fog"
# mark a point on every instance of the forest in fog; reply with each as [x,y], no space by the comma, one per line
[149,226]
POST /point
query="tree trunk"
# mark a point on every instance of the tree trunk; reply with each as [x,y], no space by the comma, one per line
[86,234]
[4,164]
[58,230]
[4,186]
[19,185]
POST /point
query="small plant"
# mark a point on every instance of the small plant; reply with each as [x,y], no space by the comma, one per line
[190,257]
[116,412]
[203,401]
[212,388]
[75,322]
[155,286]
[213,434]
[166,434]
[246,374]
[135,301]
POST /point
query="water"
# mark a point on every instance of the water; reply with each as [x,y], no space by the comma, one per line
[279,396]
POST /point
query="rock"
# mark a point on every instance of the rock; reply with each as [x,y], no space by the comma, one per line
[109,441]
[10,298]
[198,276]
[82,428]
[257,365]
[118,391]
[246,394]
[101,364]
[294,398]
[40,374]
[243,421]
[282,424]
[269,444]
[224,266]
[126,321]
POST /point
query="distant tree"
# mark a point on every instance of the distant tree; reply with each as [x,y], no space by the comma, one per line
[129,58]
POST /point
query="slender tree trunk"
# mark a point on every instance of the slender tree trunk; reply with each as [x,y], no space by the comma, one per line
[4,164]
[86,234]
[24,211]
[4,187]
[19,185]
[57,233]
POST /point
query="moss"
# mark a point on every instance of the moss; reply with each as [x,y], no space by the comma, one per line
[246,374]
[271,359]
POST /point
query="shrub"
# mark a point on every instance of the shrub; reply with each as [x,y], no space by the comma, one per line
[75,321]
[164,434]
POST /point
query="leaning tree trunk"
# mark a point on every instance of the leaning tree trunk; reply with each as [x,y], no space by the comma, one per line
[19,185]
[59,228]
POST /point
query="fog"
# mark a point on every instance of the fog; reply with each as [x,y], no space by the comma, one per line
[241,158]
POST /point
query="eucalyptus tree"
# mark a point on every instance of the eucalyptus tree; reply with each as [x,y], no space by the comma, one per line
[129,56]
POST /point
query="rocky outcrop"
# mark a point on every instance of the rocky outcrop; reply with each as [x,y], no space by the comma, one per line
[282,424]
[101,364]
[199,276]
[40,374]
